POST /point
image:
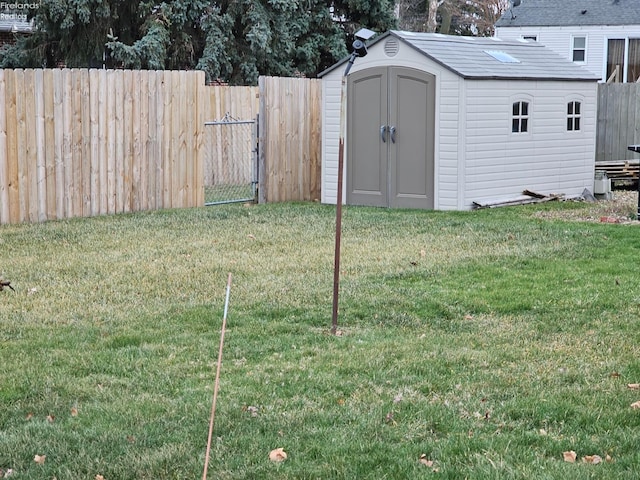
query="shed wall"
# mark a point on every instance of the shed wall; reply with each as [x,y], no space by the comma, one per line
[547,158]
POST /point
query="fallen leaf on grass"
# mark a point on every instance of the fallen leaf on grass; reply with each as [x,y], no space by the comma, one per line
[51,418]
[74,412]
[278,455]
[99,477]
[388,419]
[635,405]
[29,416]
[39,459]
[633,386]
[592,459]
[253,410]
[8,473]
[468,317]
[569,456]
[425,461]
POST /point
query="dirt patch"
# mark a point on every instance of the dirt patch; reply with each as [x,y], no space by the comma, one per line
[621,208]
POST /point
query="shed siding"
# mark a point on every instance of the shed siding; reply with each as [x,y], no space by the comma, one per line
[331,91]
[559,39]
[547,158]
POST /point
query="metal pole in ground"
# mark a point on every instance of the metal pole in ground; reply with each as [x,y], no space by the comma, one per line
[636,148]
[217,383]
[359,50]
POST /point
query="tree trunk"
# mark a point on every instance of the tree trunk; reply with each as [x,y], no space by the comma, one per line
[445,26]
[431,17]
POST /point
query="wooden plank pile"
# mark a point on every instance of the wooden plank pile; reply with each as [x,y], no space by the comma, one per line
[527,197]
[619,171]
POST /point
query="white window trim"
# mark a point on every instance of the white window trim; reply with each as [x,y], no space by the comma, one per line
[530,112]
[581,100]
[573,48]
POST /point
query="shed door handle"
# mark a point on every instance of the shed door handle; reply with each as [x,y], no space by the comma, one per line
[393,134]
[383,133]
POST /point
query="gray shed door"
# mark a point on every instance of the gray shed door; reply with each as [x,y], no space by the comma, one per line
[390,131]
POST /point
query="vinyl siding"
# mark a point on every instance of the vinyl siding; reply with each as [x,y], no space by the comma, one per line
[547,158]
[559,39]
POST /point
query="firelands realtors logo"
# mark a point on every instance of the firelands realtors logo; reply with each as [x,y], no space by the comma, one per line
[16,11]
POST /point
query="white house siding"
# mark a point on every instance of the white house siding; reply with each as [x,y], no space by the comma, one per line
[446,123]
[560,40]
[548,158]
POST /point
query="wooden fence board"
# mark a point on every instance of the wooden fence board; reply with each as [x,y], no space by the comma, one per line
[94,146]
[4,193]
[4,180]
[48,210]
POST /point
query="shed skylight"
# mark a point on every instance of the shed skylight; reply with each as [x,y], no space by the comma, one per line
[502,56]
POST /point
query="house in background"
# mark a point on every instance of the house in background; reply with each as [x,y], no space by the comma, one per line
[13,24]
[443,122]
[600,35]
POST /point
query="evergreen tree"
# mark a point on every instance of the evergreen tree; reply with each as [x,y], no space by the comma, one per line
[231,40]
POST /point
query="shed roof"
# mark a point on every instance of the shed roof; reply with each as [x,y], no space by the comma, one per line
[549,13]
[485,58]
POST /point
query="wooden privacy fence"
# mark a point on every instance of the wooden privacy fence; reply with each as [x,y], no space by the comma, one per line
[618,121]
[76,142]
[90,142]
[290,139]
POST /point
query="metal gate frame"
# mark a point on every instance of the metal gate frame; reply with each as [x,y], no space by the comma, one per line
[233,192]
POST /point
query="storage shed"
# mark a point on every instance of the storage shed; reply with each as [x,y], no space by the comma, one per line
[440,122]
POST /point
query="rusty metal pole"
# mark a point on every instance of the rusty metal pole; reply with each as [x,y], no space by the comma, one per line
[336,263]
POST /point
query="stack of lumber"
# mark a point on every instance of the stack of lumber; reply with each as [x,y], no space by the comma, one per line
[619,170]
[527,197]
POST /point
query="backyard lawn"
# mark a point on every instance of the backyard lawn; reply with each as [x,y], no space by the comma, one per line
[493,344]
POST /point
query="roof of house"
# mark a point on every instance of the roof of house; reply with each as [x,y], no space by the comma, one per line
[548,13]
[485,58]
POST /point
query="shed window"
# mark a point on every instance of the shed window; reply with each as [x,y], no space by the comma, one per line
[520,118]
[573,116]
[579,49]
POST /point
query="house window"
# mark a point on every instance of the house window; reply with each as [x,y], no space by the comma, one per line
[623,60]
[520,117]
[573,116]
[579,49]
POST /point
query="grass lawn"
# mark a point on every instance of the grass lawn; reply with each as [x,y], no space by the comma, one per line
[487,343]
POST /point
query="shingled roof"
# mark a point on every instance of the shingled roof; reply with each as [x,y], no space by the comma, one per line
[486,58]
[552,13]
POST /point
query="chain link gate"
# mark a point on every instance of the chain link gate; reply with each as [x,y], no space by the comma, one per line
[230,161]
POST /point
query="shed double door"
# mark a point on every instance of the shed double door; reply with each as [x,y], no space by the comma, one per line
[390,132]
